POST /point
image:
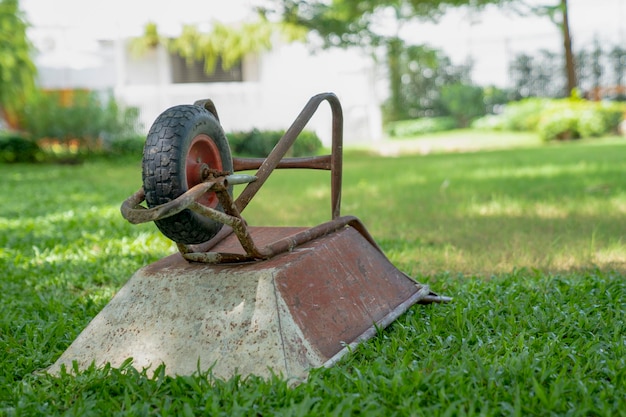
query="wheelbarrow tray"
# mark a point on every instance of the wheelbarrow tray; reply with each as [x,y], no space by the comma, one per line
[260,300]
[298,310]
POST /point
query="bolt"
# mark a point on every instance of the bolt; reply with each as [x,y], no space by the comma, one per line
[204,172]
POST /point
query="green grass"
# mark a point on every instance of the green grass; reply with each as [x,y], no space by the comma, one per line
[460,140]
[529,242]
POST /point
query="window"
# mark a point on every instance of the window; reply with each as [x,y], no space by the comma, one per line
[184,72]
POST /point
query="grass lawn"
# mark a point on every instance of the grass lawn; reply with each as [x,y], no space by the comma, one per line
[460,140]
[529,241]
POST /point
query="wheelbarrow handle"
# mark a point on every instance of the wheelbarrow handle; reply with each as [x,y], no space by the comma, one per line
[135,213]
[274,158]
[323,162]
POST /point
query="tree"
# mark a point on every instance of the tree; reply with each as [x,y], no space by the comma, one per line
[617,59]
[463,102]
[424,72]
[17,71]
[559,15]
[570,66]
[345,23]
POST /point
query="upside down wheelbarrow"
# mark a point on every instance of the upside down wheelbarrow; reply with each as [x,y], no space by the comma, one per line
[238,299]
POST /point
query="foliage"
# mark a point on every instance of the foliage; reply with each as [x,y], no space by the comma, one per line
[415,127]
[488,122]
[78,121]
[495,98]
[131,146]
[456,104]
[357,23]
[557,12]
[17,71]
[523,115]
[15,148]
[225,44]
[259,143]
[529,242]
[572,119]
[558,119]
[150,39]
[559,124]
[600,72]
[463,102]
[422,72]
[537,76]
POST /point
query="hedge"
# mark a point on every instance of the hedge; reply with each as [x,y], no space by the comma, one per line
[558,119]
[259,143]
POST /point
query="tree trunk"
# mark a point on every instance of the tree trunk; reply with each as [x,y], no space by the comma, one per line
[570,68]
[394,51]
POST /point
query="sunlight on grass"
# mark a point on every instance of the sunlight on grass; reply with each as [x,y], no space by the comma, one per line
[544,170]
[458,141]
[318,192]
[528,242]
[511,208]
[614,255]
[80,242]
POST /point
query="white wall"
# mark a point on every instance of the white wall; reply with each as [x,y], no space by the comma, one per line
[282,82]
[277,84]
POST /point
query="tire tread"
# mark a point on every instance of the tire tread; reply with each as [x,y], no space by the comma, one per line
[160,166]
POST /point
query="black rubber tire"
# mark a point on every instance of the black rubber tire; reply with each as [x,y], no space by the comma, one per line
[164,170]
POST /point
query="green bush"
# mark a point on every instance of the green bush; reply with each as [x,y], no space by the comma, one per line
[489,122]
[561,124]
[523,115]
[591,123]
[259,143]
[575,118]
[603,118]
[14,148]
[77,118]
[415,127]
[558,119]
[126,146]
[463,102]
[495,98]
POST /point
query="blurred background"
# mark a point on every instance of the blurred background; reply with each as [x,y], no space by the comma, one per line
[446,63]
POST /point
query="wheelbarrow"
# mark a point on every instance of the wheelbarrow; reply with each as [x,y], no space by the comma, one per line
[239,299]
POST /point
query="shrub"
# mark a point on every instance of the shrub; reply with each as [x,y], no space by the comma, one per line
[559,124]
[14,148]
[259,143]
[77,118]
[575,118]
[523,115]
[495,98]
[463,102]
[601,119]
[414,127]
[558,119]
[591,123]
[254,143]
[126,146]
[489,122]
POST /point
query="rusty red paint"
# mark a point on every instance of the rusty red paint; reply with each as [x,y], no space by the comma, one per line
[337,287]
[196,197]
[338,299]
[259,300]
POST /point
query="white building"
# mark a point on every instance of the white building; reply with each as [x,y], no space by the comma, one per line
[266,91]
[84,45]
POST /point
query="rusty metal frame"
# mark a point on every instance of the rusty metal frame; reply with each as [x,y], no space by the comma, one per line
[134,212]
